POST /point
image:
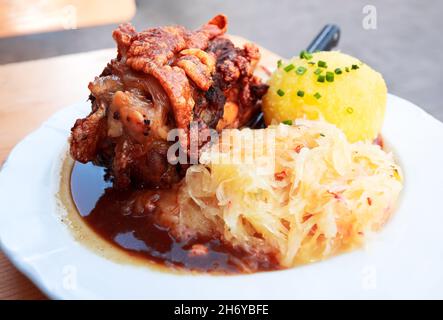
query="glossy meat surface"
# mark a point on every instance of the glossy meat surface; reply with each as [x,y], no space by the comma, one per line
[162,79]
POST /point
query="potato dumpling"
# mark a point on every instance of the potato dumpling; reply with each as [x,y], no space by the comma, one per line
[329,85]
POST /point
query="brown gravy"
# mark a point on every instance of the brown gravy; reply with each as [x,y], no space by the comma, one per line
[101,218]
[105,211]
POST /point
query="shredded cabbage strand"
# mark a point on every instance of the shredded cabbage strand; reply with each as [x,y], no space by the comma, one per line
[322,196]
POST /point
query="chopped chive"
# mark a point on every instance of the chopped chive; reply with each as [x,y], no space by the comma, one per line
[288,122]
[311,63]
[300,71]
[347,69]
[300,93]
[349,110]
[305,55]
[322,64]
[321,78]
[354,67]
[338,71]
[318,71]
[289,67]
[329,76]
[280,92]
[279,63]
[322,134]
[317,95]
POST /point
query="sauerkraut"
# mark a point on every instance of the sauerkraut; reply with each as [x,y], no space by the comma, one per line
[301,192]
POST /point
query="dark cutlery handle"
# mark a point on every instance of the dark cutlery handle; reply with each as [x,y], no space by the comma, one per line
[326,40]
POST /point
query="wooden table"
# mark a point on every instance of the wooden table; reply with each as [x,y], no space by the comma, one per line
[29,93]
[30,16]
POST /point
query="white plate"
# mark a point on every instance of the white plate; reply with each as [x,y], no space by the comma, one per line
[404,261]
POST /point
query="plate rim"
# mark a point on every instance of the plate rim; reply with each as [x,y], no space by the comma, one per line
[18,259]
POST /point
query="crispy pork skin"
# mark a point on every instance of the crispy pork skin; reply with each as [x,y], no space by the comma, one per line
[164,78]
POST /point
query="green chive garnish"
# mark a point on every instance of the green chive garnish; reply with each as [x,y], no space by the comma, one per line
[318,71]
[317,95]
[289,67]
[349,110]
[280,92]
[311,63]
[279,63]
[322,134]
[321,78]
[329,76]
[338,71]
[347,69]
[322,64]
[300,71]
[355,67]
[300,93]
[305,55]
[288,122]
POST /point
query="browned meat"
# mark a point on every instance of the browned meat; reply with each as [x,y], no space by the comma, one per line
[87,134]
[235,67]
[164,78]
[151,52]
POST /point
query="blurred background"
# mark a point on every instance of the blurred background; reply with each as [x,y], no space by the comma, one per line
[405,44]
